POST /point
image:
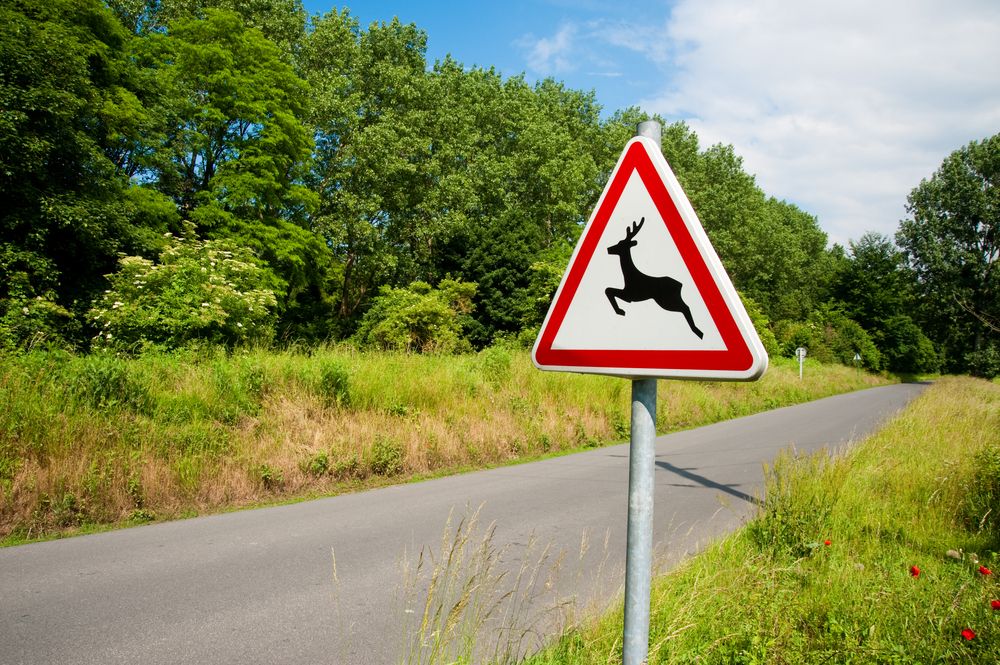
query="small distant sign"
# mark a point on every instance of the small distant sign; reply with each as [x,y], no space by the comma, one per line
[800,352]
[857,357]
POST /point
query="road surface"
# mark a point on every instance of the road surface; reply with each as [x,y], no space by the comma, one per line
[258,586]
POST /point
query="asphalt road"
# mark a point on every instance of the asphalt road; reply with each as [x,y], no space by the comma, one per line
[258,586]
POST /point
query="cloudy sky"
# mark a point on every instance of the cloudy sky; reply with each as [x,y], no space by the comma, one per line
[840,107]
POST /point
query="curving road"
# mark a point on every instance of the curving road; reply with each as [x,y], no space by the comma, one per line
[258,586]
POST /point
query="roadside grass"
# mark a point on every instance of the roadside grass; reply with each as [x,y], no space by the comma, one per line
[92,441]
[909,515]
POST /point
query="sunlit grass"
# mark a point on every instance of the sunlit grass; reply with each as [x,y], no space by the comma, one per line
[86,441]
[924,492]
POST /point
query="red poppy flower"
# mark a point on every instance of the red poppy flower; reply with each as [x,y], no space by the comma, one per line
[985,571]
[914,571]
[969,634]
[995,604]
[826,542]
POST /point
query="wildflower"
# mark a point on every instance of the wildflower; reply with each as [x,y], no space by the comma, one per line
[239,325]
[826,542]
[204,304]
[969,634]
[24,310]
[914,571]
[995,604]
[983,570]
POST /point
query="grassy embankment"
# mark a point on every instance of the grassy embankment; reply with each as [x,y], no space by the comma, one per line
[924,493]
[92,441]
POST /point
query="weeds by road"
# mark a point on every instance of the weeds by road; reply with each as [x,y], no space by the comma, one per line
[99,440]
[888,554]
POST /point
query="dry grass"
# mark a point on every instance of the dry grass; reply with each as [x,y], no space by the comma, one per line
[97,440]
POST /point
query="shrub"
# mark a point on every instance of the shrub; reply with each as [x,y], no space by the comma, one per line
[419,318]
[387,457]
[829,337]
[210,291]
[905,347]
[984,363]
[334,385]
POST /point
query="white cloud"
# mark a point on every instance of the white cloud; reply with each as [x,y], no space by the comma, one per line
[550,55]
[841,107]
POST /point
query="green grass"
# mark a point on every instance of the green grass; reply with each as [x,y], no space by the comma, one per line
[924,492]
[92,441]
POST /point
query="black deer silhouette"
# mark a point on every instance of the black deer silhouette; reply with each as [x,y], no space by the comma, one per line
[666,291]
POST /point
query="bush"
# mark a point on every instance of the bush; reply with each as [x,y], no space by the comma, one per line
[905,347]
[334,384]
[762,324]
[208,291]
[829,337]
[387,457]
[419,318]
[984,363]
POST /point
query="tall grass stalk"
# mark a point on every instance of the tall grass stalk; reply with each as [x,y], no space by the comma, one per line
[476,601]
[825,573]
[102,440]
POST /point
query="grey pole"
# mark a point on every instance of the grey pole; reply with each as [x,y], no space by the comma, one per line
[641,465]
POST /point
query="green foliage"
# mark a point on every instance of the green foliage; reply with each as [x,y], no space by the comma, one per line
[68,92]
[762,325]
[386,457]
[419,318]
[334,383]
[829,336]
[951,243]
[796,509]
[210,291]
[981,501]
[984,362]
[317,465]
[104,382]
[904,346]
[495,364]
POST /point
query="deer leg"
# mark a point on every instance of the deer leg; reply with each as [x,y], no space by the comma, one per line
[612,295]
[686,311]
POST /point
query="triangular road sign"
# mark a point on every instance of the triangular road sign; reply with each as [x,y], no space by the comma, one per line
[645,294]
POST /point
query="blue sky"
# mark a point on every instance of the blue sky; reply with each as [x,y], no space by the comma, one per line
[839,106]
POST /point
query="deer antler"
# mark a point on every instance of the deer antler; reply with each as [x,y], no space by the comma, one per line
[630,233]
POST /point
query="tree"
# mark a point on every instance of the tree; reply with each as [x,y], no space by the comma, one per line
[237,151]
[198,291]
[875,288]
[952,243]
[68,96]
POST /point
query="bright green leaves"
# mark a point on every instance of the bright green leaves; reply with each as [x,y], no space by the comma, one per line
[419,318]
[198,291]
[952,242]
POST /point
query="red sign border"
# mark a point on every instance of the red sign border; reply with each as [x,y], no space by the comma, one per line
[737,356]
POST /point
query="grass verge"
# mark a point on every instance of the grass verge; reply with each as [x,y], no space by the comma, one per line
[883,555]
[87,442]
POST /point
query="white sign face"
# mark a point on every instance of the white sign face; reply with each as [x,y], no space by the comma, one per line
[800,353]
[591,319]
[645,293]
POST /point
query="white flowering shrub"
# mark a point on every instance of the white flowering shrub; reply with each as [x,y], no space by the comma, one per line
[207,291]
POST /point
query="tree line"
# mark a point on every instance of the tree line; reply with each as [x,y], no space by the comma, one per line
[179,172]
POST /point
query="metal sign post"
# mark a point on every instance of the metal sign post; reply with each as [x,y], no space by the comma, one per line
[696,327]
[641,466]
[800,353]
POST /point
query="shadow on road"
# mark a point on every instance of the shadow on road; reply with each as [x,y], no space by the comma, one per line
[705,482]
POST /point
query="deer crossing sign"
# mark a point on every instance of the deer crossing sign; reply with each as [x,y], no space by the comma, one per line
[645,294]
